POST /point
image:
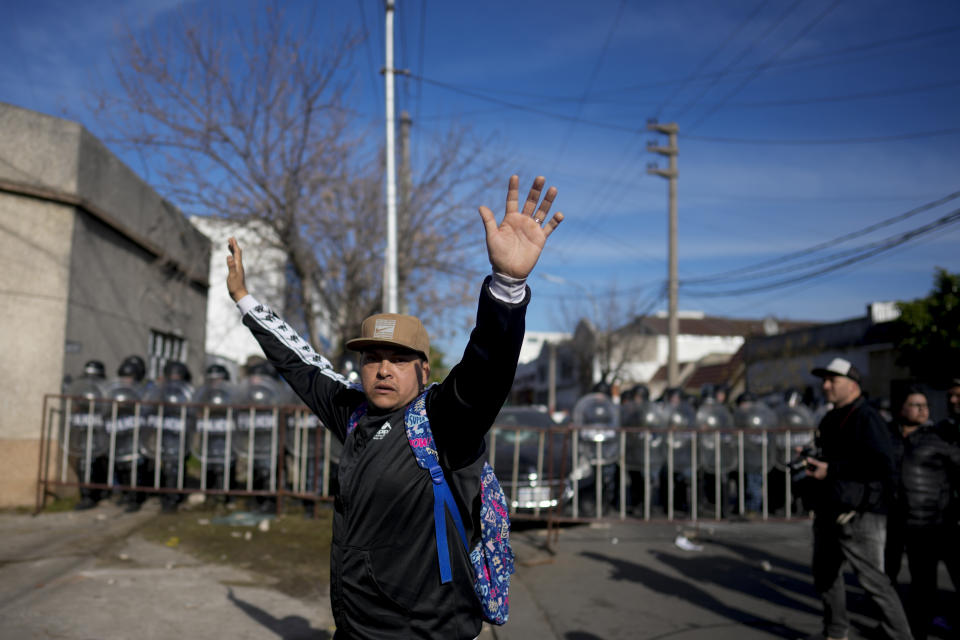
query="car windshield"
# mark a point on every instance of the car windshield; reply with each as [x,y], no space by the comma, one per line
[511,417]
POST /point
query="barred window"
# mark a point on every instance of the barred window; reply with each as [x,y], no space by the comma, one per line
[163,348]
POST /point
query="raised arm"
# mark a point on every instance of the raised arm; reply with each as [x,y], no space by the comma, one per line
[515,245]
[469,399]
[309,374]
[236,282]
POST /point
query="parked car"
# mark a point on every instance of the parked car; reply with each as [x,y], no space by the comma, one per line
[523,433]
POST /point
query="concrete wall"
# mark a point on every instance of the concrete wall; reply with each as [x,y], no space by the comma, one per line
[91,259]
[118,293]
[35,241]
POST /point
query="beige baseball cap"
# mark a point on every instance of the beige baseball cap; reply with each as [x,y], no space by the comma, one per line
[392,330]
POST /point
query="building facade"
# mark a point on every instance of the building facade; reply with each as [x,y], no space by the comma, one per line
[95,266]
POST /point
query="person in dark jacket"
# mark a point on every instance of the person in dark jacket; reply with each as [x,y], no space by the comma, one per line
[856,482]
[949,427]
[384,576]
[923,520]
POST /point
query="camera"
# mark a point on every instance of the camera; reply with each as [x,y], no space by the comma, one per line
[798,466]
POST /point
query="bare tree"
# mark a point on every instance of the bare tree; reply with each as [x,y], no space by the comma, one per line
[608,339]
[250,122]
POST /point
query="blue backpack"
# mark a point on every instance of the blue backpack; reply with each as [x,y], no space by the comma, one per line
[492,557]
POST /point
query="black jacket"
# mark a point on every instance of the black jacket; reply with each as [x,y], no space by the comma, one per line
[929,471]
[384,574]
[862,474]
[949,430]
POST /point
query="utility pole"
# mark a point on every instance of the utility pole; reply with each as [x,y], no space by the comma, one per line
[390,262]
[552,378]
[673,324]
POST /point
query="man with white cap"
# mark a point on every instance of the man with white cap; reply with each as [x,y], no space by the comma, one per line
[857,478]
[384,578]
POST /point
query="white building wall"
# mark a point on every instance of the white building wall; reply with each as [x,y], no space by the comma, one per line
[533,342]
[227,337]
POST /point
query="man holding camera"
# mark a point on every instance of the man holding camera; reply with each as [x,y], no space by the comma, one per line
[856,482]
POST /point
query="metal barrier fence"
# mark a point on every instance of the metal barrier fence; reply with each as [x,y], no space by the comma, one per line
[638,473]
[556,474]
[143,446]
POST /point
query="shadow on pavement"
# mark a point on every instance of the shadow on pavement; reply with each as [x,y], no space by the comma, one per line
[745,577]
[288,628]
[857,600]
[667,585]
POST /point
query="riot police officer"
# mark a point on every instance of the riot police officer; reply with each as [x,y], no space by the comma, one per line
[210,440]
[86,419]
[260,389]
[170,393]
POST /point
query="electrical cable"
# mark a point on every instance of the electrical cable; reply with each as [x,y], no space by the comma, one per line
[710,57]
[891,243]
[743,54]
[370,57]
[763,67]
[586,91]
[716,139]
[779,260]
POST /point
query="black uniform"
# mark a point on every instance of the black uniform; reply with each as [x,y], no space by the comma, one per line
[385,579]
[924,520]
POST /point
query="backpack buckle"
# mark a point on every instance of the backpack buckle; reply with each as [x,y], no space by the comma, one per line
[437,474]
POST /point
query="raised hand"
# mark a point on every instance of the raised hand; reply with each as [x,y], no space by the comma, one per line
[236,283]
[515,245]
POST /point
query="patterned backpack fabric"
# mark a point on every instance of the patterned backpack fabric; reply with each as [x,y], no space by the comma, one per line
[492,557]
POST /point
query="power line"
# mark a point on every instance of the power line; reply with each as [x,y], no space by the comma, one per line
[779,260]
[786,62]
[850,96]
[891,243]
[719,139]
[743,54]
[370,56]
[827,141]
[590,80]
[710,57]
[804,31]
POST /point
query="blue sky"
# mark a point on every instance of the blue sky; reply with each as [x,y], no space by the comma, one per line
[800,121]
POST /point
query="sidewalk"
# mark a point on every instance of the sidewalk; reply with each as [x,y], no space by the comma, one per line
[83,575]
[619,581]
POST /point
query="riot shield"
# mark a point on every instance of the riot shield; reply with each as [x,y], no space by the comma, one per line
[755,420]
[598,418]
[713,416]
[654,416]
[86,434]
[166,421]
[255,440]
[799,419]
[124,422]
[306,443]
[681,419]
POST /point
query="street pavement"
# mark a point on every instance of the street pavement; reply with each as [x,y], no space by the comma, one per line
[89,575]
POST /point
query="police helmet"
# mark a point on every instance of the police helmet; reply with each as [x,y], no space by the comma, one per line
[262,369]
[217,372]
[176,370]
[134,367]
[94,369]
[601,387]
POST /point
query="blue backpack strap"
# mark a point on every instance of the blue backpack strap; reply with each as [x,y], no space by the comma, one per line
[421,441]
